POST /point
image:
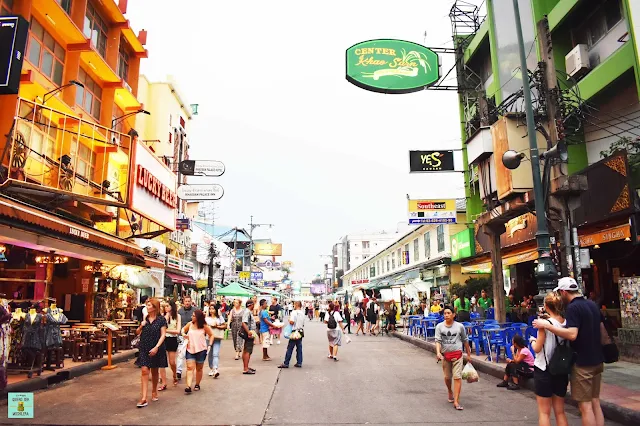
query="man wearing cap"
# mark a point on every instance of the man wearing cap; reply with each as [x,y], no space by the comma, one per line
[249,327]
[583,330]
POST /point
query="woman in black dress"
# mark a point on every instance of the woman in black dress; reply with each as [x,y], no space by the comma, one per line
[153,354]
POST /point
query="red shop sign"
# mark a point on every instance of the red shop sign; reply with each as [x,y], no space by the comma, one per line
[145,179]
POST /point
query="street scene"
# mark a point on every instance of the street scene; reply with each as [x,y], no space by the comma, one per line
[293,212]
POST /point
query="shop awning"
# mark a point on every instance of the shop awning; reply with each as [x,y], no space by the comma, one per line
[181,279]
[484,266]
[135,276]
[406,278]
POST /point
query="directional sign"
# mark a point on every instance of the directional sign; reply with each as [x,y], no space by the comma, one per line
[209,168]
[256,276]
[200,192]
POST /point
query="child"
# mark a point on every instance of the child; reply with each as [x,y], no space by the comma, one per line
[521,364]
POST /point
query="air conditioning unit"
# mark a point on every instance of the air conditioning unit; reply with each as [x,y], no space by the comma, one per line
[577,61]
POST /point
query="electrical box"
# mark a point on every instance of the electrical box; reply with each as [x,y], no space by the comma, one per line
[577,61]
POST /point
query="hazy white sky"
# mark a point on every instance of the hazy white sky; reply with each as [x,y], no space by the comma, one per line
[304,149]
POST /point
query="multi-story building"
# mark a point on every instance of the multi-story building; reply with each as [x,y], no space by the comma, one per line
[353,249]
[582,56]
[77,183]
[418,262]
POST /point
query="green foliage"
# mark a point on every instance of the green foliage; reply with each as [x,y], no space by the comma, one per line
[471,286]
[632,147]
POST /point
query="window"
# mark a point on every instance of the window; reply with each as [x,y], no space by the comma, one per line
[406,259]
[365,244]
[117,113]
[427,245]
[66,5]
[393,260]
[95,29]
[123,64]
[599,24]
[416,250]
[86,161]
[89,97]
[440,231]
[388,263]
[400,262]
[5,7]
[45,54]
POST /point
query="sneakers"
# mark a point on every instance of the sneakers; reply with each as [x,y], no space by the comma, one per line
[513,386]
[216,374]
[503,384]
[210,373]
[179,375]
[278,341]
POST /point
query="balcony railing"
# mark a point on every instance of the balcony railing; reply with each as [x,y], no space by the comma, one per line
[53,155]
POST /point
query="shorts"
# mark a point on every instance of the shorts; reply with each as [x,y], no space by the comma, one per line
[248,346]
[547,385]
[266,340]
[199,357]
[452,369]
[171,344]
[586,382]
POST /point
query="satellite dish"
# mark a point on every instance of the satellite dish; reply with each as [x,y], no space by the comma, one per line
[511,159]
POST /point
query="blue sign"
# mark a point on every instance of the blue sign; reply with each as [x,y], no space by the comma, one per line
[183,224]
[239,253]
[270,284]
[20,405]
[256,276]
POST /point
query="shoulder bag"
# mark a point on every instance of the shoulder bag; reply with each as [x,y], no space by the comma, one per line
[609,349]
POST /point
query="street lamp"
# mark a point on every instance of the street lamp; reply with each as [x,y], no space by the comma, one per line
[119,119]
[58,89]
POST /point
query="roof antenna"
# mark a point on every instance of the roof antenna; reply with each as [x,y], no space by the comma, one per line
[424,41]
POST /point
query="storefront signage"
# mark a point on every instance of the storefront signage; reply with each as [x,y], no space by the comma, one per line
[152,248]
[461,245]
[516,224]
[200,192]
[606,236]
[514,259]
[183,224]
[85,285]
[244,275]
[317,289]
[256,276]
[359,281]
[201,168]
[518,230]
[432,211]
[267,249]
[187,266]
[152,192]
[181,238]
[392,66]
[79,233]
[431,161]
[14,31]
[173,262]
[270,264]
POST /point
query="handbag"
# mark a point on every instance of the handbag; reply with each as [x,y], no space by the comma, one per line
[297,334]
[135,343]
[288,329]
[610,351]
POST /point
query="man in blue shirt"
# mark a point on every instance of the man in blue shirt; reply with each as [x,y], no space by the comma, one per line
[265,323]
[583,330]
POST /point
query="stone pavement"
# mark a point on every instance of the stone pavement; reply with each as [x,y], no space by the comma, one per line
[377,380]
[620,393]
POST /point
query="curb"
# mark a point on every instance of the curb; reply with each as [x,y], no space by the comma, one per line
[611,411]
[43,382]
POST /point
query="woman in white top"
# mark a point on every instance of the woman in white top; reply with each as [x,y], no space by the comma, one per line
[216,321]
[550,390]
[334,331]
[174,326]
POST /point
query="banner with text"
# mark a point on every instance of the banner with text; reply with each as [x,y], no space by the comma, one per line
[432,211]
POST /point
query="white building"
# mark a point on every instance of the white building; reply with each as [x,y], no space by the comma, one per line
[353,249]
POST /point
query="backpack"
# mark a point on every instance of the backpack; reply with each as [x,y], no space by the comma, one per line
[562,359]
[372,309]
[331,322]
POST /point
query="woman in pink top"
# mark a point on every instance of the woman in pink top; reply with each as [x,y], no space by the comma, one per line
[520,365]
[196,347]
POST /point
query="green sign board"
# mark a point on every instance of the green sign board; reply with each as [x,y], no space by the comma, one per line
[462,245]
[392,66]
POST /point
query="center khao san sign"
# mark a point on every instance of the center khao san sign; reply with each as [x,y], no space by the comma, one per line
[392,66]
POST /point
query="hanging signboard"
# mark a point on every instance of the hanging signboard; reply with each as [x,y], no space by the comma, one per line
[391,66]
[183,224]
[461,245]
[209,168]
[244,275]
[267,249]
[431,161]
[256,276]
[14,31]
[200,192]
[432,211]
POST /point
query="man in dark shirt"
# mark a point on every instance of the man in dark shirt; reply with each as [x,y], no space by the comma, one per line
[185,312]
[583,330]
[274,313]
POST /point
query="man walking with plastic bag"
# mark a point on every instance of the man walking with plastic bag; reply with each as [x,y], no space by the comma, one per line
[296,321]
[450,337]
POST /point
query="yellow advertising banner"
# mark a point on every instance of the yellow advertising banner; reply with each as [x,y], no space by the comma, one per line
[244,275]
[432,205]
[266,249]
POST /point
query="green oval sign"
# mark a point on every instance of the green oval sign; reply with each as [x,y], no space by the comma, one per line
[392,66]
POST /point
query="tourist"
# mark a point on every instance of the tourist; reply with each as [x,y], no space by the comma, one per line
[323,311]
[215,320]
[359,312]
[521,364]
[334,333]
[275,310]
[392,312]
[249,332]
[256,314]
[265,324]
[462,307]
[171,342]
[550,389]
[474,301]
[152,352]
[235,324]
[583,330]
[372,315]
[296,319]
[195,332]
[347,318]
[450,336]
[185,312]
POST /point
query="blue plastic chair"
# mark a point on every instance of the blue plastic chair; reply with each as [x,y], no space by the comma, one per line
[491,313]
[511,332]
[474,315]
[490,339]
[476,338]
[413,323]
[429,328]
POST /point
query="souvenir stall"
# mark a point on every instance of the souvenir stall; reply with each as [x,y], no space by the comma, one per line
[133,282]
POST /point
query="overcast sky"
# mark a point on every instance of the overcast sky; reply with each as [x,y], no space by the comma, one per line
[304,149]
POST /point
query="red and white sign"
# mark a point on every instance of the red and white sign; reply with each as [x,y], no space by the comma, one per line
[359,281]
[152,191]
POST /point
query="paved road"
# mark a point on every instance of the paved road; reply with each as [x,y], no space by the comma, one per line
[378,380]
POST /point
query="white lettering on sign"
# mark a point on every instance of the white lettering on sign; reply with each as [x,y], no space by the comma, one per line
[181,238]
[153,185]
[79,233]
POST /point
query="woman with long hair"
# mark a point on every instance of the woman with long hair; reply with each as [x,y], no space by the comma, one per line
[152,356]
[334,331]
[235,323]
[195,332]
[216,321]
[360,318]
[550,389]
[171,342]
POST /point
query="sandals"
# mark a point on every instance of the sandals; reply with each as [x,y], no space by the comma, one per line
[142,403]
[187,390]
[154,398]
[163,387]
[196,387]
[249,372]
[458,407]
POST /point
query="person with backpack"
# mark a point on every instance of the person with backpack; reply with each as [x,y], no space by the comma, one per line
[550,389]
[334,333]
[372,315]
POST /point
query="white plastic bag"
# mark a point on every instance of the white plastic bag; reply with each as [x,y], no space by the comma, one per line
[469,373]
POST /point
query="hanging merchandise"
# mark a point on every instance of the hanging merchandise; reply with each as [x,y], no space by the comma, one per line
[630,301]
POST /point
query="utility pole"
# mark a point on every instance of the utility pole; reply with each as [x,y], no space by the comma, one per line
[545,272]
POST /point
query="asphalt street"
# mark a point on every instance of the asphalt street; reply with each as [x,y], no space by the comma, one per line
[377,380]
